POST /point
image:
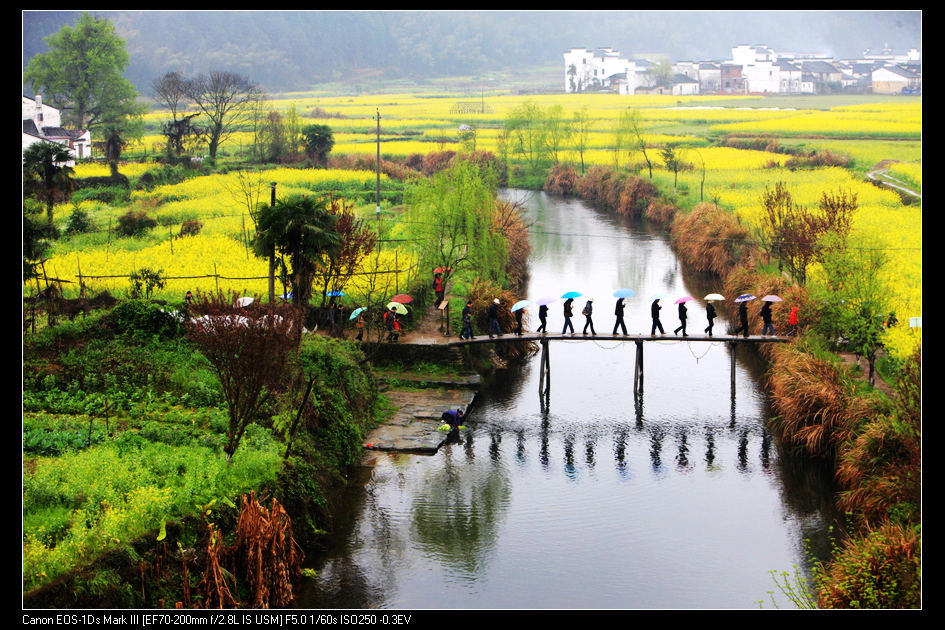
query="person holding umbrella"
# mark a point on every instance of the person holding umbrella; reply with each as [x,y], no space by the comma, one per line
[587,312]
[567,316]
[655,314]
[438,288]
[682,319]
[742,301]
[494,319]
[360,324]
[618,311]
[518,321]
[466,333]
[766,319]
[710,315]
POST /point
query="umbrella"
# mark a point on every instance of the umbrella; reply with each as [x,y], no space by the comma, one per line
[658,296]
[357,312]
[572,294]
[244,301]
[441,269]
[335,293]
[286,296]
[403,298]
[683,299]
[397,307]
[744,297]
[771,298]
[715,296]
[520,305]
[544,301]
[624,293]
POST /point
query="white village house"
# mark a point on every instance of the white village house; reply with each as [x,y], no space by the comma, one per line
[42,123]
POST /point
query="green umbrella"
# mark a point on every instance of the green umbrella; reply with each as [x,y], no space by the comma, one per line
[397,307]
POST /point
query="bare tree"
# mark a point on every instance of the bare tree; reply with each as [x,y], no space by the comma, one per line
[226,99]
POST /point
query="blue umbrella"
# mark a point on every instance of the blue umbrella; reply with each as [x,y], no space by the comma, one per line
[624,293]
[744,297]
[544,301]
[357,312]
[571,294]
[335,293]
[286,296]
[520,305]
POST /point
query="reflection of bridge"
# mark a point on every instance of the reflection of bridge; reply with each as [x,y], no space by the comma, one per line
[544,382]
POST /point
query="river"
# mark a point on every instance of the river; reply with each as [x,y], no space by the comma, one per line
[680,499]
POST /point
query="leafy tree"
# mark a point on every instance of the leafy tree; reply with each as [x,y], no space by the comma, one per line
[581,129]
[558,130]
[527,136]
[226,99]
[672,158]
[117,133]
[82,74]
[318,142]
[170,91]
[303,229]
[631,120]
[248,349]
[37,235]
[145,280]
[46,177]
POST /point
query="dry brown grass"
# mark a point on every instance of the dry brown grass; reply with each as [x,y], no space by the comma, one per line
[711,239]
[814,398]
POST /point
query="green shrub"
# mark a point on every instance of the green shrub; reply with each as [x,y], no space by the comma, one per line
[115,195]
[143,318]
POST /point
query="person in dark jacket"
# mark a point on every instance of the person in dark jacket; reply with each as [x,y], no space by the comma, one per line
[518,321]
[494,319]
[618,311]
[452,418]
[588,313]
[466,333]
[682,320]
[710,314]
[543,318]
[567,316]
[766,318]
[742,320]
[655,314]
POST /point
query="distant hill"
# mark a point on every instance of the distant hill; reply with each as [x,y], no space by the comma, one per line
[295,50]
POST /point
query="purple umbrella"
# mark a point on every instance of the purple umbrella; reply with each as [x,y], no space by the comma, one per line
[683,299]
[544,301]
[771,298]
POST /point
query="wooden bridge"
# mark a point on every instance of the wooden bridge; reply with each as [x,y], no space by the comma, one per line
[544,386]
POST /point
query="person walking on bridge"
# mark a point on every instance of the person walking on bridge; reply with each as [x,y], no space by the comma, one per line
[494,319]
[543,318]
[682,320]
[618,311]
[710,314]
[742,320]
[567,316]
[518,321]
[588,321]
[768,327]
[655,314]
[466,332]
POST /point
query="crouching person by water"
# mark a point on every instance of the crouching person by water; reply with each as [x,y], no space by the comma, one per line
[453,418]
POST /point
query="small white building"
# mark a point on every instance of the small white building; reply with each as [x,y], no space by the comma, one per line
[895,79]
[42,123]
[762,77]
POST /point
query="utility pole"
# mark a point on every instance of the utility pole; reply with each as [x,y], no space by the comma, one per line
[272,252]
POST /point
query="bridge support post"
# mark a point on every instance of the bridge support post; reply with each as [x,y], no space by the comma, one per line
[638,369]
[544,376]
[732,346]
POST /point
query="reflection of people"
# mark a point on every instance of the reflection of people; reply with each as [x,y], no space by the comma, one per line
[543,318]
[452,417]
[567,316]
[710,314]
[655,314]
[682,320]
[618,311]
[742,320]
[587,313]
[767,328]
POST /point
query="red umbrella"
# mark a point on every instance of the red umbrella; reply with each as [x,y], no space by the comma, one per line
[403,298]
[441,269]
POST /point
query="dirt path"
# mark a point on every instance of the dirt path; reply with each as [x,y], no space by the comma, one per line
[851,359]
[878,174]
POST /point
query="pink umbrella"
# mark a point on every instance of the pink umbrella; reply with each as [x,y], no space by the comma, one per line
[403,298]
[771,298]
[683,299]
